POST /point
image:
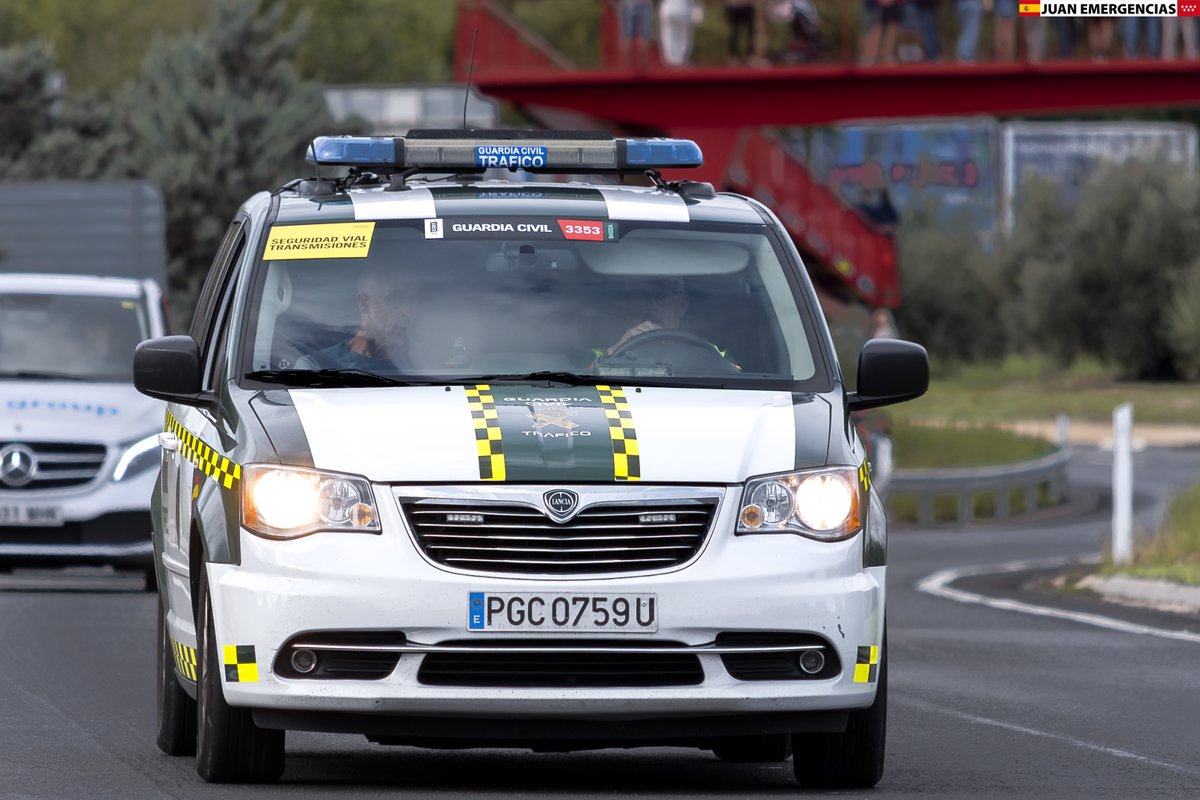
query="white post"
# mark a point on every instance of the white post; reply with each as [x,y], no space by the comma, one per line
[1122,520]
[1064,429]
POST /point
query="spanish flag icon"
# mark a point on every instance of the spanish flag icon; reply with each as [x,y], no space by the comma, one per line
[1030,9]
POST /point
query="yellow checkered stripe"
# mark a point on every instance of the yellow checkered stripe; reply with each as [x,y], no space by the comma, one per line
[489,444]
[864,476]
[240,664]
[627,463]
[185,659]
[866,667]
[219,468]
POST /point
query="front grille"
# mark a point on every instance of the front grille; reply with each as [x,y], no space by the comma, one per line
[603,538]
[554,670]
[59,465]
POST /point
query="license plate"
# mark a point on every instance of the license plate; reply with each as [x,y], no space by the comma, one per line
[30,515]
[571,613]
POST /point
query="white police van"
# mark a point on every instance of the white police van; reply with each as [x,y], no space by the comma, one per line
[78,444]
[460,462]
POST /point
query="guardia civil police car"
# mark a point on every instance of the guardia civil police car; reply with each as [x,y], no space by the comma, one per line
[459,462]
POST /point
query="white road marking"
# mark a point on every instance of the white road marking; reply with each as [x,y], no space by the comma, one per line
[938,585]
[1058,737]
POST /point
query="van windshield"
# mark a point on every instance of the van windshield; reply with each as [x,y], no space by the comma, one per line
[592,300]
[69,336]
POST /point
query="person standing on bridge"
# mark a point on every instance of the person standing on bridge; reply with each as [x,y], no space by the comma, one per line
[637,31]
[970,18]
[676,19]
[1173,28]
[739,16]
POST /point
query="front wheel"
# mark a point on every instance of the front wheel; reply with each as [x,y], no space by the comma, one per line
[852,759]
[230,747]
[176,711]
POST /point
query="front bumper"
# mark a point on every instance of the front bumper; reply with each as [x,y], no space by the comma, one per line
[360,582]
[103,522]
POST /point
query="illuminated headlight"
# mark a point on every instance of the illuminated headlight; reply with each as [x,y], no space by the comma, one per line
[287,502]
[137,458]
[821,504]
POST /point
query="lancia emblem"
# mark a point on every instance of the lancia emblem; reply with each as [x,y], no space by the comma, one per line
[18,465]
[561,503]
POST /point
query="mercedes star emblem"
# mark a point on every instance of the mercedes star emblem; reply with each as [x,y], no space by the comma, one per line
[18,465]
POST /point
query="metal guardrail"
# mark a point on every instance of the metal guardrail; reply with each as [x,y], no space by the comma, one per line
[1033,483]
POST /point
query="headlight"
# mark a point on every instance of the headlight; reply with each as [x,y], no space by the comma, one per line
[288,502]
[137,458]
[821,504]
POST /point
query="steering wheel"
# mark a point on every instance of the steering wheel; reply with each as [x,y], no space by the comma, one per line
[661,334]
[710,361]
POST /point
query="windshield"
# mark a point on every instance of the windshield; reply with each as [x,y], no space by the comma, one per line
[486,298]
[70,337]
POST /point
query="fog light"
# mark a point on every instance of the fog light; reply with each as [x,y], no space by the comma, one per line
[811,661]
[305,661]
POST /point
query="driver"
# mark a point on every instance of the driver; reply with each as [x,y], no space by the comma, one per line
[662,305]
[386,300]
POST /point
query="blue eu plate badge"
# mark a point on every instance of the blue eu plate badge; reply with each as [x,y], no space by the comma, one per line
[475,611]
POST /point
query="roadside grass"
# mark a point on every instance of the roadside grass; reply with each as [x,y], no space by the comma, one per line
[1173,554]
[926,447]
[1022,388]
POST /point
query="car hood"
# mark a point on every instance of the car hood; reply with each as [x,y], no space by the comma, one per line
[69,411]
[562,434]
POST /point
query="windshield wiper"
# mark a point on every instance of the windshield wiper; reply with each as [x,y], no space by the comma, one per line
[569,378]
[38,375]
[328,378]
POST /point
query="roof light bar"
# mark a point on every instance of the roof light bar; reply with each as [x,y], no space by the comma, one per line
[493,149]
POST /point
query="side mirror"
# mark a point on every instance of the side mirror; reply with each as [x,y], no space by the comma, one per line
[889,371]
[169,369]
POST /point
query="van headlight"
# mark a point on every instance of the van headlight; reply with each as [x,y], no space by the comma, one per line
[820,504]
[138,457]
[288,502]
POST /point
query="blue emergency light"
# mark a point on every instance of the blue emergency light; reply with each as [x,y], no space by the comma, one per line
[536,151]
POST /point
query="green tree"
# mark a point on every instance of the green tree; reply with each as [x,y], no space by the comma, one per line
[99,42]
[1108,271]
[946,283]
[368,41]
[27,98]
[1183,321]
[212,117]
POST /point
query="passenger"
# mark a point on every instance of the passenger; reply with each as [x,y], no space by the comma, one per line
[386,301]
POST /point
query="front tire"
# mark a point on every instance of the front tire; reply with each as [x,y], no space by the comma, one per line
[852,759]
[230,747]
[176,711]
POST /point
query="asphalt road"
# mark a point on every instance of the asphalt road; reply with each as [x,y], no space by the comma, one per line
[984,702]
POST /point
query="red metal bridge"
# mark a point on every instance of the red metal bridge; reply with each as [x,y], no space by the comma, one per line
[726,111]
